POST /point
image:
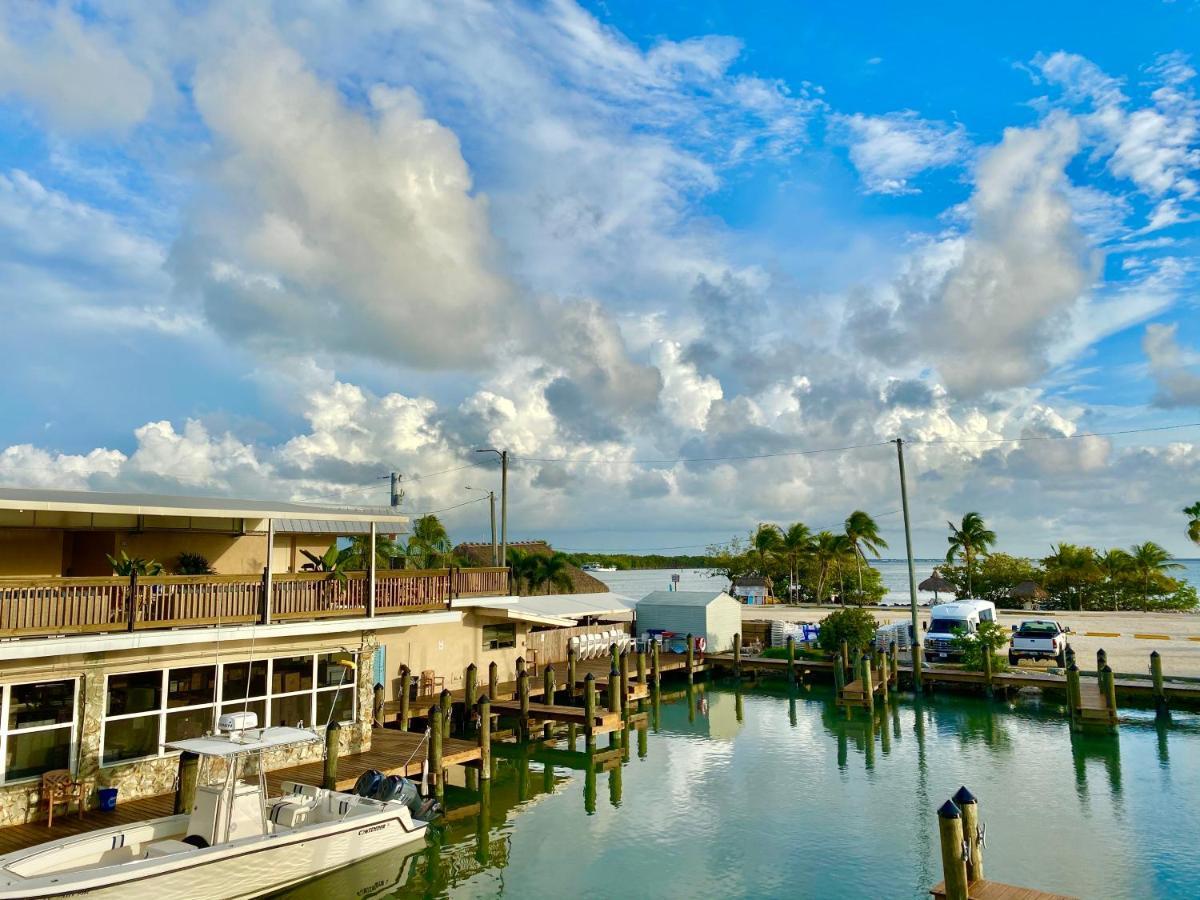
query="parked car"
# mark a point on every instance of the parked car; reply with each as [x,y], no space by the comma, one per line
[948,618]
[1038,639]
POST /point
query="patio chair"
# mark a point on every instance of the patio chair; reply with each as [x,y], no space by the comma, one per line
[431,683]
[60,786]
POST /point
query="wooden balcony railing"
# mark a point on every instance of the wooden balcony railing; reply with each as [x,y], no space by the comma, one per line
[39,607]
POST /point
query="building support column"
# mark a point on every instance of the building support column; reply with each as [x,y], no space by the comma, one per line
[371,574]
[269,573]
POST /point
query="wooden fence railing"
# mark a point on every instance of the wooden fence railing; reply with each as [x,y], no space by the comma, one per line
[38,607]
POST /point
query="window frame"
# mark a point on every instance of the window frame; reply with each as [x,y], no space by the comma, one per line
[6,731]
[493,646]
[216,707]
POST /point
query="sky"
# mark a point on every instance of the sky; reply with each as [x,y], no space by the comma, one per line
[659,252]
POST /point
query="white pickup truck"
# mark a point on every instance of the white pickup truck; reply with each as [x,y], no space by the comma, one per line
[1038,639]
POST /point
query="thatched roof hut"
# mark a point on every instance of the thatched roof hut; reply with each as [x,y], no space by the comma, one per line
[481,555]
[937,584]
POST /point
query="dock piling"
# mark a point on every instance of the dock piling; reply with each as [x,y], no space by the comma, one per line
[185,788]
[972,833]
[405,687]
[654,648]
[1108,684]
[839,676]
[791,656]
[435,753]
[329,775]
[446,703]
[641,667]
[623,661]
[1074,696]
[485,738]
[570,673]
[523,697]
[987,671]
[954,867]
[589,711]
[493,679]
[1160,694]
[470,691]
[894,662]
[868,688]
[691,656]
[1101,660]
[548,699]
[737,654]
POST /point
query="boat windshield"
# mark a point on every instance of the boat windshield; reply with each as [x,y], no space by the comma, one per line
[946,626]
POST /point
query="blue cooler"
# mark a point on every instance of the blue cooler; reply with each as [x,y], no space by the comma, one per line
[106,799]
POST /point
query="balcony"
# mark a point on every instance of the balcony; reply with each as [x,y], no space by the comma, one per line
[44,607]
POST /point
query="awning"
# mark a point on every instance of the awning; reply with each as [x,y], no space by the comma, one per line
[568,608]
[250,741]
[518,615]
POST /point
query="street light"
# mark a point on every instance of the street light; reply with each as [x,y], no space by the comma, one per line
[491,495]
[503,454]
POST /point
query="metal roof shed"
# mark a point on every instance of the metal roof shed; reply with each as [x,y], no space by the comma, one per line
[713,614]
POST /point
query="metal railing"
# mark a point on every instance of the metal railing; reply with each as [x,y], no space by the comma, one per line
[40,607]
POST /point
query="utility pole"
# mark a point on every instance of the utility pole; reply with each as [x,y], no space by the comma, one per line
[503,454]
[396,492]
[492,505]
[917,644]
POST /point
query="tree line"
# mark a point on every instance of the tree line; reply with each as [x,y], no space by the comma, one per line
[806,566]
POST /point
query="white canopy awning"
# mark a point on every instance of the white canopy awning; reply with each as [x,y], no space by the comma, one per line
[249,741]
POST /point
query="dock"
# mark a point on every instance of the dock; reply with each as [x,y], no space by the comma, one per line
[855,693]
[602,722]
[995,890]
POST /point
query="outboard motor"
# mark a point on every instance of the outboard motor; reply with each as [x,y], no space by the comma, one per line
[368,782]
[388,788]
[409,796]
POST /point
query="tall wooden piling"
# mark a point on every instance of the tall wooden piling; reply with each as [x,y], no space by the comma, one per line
[894,663]
[1074,696]
[1101,660]
[485,737]
[570,673]
[987,671]
[332,748]
[641,667]
[435,753]
[972,833]
[548,699]
[520,665]
[737,654]
[839,676]
[691,656]
[656,671]
[868,689]
[954,868]
[1160,693]
[791,658]
[470,692]
[493,680]
[1108,684]
[446,703]
[846,661]
[523,699]
[405,687]
[614,686]
[589,711]
[185,786]
[623,661]
[1069,655]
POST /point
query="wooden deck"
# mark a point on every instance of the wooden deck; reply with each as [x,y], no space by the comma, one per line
[854,693]
[392,752]
[602,721]
[995,890]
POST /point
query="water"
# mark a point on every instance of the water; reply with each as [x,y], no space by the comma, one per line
[771,795]
[637,583]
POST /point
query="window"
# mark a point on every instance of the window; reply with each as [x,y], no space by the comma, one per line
[497,637]
[37,728]
[145,710]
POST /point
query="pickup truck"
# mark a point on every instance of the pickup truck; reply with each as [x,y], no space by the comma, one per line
[1038,639]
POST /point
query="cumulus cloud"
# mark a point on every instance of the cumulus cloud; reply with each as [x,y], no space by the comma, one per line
[75,73]
[986,307]
[890,150]
[1176,370]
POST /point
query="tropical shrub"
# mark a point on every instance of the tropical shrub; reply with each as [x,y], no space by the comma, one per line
[126,565]
[193,564]
[989,637]
[854,626]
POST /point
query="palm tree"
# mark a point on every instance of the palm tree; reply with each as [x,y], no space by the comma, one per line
[429,543]
[1114,563]
[1073,567]
[524,568]
[827,551]
[796,542]
[1193,514]
[862,532]
[356,555]
[969,540]
[550,570]
[764,546]
[1150,560]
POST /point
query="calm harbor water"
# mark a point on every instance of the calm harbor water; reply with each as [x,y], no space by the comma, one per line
[639,582]
[777,794]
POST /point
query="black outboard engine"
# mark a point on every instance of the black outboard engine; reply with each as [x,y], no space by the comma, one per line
[388,788]
[368,782]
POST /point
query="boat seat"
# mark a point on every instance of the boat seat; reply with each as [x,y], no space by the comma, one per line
[289,813]
[296,789]
[167,847]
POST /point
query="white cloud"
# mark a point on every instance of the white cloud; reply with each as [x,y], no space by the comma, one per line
[890,150]
[1175,369]
[76,74]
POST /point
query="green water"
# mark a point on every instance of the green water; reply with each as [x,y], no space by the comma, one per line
[770,795]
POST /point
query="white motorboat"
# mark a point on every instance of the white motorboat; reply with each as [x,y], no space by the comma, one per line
[235,843]
[597,567]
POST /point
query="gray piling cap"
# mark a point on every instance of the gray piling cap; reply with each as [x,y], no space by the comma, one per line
[1072,668]
[1154,653]
[949,811]
[963,796]
[1107,668]
[589,677]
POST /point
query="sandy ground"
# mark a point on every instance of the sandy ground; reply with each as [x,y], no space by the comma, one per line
[1126,654]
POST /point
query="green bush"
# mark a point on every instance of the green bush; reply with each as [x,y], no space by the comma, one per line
[990,637]
[801,653]
[854,626]
[193,564]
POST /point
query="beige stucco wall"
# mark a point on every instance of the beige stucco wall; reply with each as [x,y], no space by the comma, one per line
[447,650]
[35,552]
[146,778]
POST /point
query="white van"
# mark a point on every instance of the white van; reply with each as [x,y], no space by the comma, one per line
[946,618]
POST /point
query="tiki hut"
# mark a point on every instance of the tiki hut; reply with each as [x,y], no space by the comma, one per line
[1028,594]
[937,584]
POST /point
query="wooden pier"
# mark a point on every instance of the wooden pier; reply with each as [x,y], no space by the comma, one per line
[994,890]
[602,722]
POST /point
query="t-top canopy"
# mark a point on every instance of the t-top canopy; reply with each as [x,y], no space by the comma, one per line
[249,741]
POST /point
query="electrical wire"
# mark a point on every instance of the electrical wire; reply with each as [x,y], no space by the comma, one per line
[1053,437]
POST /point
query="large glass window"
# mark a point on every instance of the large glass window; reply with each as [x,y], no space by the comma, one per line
[37,728]
[146,710]
[498,637]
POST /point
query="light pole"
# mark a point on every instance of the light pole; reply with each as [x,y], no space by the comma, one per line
[918,648]
[492,505]
[503,454]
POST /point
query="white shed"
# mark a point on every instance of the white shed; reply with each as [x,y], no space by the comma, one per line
[713,614]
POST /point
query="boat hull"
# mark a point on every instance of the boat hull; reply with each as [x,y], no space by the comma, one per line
[236,871]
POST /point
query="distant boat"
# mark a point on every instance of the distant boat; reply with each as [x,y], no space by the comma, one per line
[596,567]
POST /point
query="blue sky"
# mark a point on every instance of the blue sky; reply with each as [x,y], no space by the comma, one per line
[284,249]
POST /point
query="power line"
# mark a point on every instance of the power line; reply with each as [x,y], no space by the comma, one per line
[430,512]
[1053,437]
[408,478]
